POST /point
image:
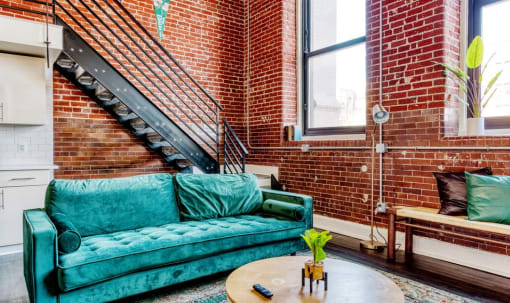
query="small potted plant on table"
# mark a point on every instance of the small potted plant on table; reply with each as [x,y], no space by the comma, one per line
[314,269]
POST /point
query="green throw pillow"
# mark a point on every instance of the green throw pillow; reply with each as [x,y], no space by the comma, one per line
[488,198]
[102,206]
[207,196]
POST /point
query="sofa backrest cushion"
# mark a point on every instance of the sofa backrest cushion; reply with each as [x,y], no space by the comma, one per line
[102,206]
[202,196]
[488,198]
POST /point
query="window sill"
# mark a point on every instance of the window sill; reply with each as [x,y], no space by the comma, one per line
[490,133]
[497,132]
[335,137]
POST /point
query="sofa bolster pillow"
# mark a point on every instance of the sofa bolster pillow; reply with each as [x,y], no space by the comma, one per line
[488,198]
[286,209]
[68,237]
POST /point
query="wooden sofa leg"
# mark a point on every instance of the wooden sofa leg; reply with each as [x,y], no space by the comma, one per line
[409,237]
[391,237]
[293,254]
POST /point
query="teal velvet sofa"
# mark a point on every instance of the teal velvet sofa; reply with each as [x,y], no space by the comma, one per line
[146,232]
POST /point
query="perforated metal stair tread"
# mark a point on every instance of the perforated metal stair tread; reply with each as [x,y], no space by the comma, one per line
[175,157]
[103,94]
[66,63]
[111,102]
[145,131]
[159,144]
[131,116]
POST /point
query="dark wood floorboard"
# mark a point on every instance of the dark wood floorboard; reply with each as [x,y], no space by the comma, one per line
[464,281]
[451,277]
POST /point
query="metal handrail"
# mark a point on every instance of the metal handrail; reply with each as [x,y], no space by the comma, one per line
[84,17]
[234,151]
[238,141]
[140,59]
[160,57]
[167,53]
[130,73]
[154,61]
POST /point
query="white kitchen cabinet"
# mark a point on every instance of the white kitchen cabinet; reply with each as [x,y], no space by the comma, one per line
[22,90]
[19,190]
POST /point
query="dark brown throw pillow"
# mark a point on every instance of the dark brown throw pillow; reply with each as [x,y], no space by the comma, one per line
[452,191]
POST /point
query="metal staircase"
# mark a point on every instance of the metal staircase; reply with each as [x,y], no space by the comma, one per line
[114,60]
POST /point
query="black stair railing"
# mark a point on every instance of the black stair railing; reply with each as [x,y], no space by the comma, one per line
[126,44]
[112,30]
[235,153]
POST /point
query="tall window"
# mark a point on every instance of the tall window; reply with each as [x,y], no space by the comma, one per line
[490,19]
[334,61]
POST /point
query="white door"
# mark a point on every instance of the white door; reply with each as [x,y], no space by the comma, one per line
[13,200]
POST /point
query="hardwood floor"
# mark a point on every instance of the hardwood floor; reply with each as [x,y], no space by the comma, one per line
[450,277]
[454,278]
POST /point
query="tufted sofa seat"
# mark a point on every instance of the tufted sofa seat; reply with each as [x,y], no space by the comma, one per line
[103,257]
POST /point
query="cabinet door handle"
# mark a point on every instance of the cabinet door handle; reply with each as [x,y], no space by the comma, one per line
[22,179]
[3,200]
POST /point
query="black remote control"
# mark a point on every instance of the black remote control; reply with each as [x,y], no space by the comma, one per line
[261,290]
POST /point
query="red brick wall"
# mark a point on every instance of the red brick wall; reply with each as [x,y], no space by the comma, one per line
[415,92]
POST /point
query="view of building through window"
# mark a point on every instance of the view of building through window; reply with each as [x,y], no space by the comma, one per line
[496,37]
[337,77]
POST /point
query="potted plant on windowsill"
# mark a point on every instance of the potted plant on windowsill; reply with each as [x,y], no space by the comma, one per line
[316,241]
[475,95]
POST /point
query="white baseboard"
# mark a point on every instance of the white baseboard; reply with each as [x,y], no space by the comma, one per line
[462,255]
[11,249]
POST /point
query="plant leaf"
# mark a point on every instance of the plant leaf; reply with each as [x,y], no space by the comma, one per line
[480,79]
[452,70]
[460,71]
[491,83]
[474,55]
[459,83]
[307,242]
[321,255]
[461,100]
[490,97]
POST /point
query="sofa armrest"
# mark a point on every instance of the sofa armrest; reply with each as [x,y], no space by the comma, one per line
[304,200]
[39,256]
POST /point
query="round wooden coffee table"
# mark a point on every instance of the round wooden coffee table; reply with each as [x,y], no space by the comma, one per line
[347,282]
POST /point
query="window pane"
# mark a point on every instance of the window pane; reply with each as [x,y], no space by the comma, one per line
[337,88]
[335,21]
[496,38]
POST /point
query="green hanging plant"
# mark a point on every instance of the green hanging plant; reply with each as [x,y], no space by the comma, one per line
[474,96]
[316,241]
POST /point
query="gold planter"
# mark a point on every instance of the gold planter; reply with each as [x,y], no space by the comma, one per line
[316,269]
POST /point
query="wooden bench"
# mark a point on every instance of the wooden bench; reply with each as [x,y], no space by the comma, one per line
[407,215]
